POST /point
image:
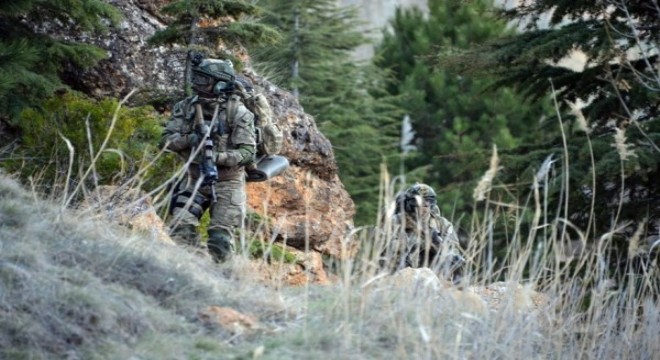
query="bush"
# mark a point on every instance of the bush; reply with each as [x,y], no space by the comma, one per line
[115,143]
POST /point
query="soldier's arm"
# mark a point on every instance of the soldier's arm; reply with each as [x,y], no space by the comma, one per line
[243,136]
[443,231]
[177,135]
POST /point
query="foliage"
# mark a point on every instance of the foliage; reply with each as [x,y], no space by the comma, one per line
[31,61]
[605,134]
[273,252]
[204,25]
[456,121]
[346,98]
[85,123]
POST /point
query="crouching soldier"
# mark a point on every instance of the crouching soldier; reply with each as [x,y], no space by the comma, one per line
[421,237]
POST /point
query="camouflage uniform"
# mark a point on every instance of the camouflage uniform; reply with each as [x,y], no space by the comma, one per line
[422,237]
[234,143]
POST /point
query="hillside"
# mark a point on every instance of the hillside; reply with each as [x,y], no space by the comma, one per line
[88,270]
[76,288]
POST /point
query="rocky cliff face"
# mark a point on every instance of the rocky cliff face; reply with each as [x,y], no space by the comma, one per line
[309,198]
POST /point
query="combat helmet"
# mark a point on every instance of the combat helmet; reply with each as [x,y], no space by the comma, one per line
[205,72]
[418,192]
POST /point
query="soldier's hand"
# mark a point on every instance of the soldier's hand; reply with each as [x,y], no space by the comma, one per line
[193,139]
[221,158]
[225,158]
[435,237]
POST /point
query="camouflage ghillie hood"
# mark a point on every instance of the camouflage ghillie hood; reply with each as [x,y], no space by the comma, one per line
[422,190]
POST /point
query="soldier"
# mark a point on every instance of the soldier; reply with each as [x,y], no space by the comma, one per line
[422,237]
[214,133]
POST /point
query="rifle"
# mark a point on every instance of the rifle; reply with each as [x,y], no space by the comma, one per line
[209,169]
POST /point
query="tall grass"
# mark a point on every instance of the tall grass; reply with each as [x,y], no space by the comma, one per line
[75,286]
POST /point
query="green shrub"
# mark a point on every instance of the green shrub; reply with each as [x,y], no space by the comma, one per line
[272,252]
[86,123]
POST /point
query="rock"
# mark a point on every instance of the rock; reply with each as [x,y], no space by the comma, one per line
[468,301]
[304,208]
[128,207]
[512,295]
[229,319]
[307,270]
[475,300]
[418,277]
[310,199]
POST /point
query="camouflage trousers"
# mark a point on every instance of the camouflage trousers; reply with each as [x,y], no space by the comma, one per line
[190,201]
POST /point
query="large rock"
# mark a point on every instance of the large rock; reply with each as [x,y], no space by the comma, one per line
[310,197]
[510,297]
[308,202]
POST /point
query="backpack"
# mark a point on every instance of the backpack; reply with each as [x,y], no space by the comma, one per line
[269,135]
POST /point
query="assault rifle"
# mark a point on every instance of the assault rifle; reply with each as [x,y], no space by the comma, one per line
[209,169]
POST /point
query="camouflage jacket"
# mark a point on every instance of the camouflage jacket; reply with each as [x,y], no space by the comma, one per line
[425,231]
[233,134]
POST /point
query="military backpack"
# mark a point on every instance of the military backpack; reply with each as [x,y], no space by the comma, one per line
[269,136]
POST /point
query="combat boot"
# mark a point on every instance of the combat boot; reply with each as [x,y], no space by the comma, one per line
[185,235]
[220,245]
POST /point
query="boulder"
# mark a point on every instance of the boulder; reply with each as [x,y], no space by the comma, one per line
[128,207]
[229,319]
[476,300]
[308,269]
[315,208]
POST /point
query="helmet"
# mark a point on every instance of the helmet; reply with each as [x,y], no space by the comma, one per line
[205,72]
[419,195]
[244,86]
[421,190]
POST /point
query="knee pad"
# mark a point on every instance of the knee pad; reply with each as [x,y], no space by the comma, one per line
[220,245]
[198,205]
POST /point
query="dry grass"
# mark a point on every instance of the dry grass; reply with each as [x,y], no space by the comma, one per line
[78,288]
[72,287]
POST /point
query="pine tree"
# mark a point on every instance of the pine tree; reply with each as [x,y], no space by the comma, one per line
[455,120]
[31,61]
[314,61]
[618,126]
[203,25]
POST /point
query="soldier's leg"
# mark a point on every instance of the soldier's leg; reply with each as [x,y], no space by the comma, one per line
[227,215]
[187,208]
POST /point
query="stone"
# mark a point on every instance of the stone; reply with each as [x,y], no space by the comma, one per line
[308,269]
[229,319]
[128,207]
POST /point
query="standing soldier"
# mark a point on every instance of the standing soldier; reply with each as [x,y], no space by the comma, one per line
[214,133]
[421,236]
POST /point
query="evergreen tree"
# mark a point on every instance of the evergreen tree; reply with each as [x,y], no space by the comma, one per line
[203,25]
[314,61]
[455,120]
[608,154]
[318,37]
[31,61]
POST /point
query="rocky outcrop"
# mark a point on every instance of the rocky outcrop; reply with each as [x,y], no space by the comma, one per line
[315,208]
[128,207]
[480,300]
[229,319]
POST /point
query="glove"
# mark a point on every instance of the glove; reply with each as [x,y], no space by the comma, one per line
[226,159]
[193,139]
